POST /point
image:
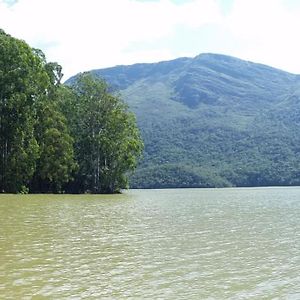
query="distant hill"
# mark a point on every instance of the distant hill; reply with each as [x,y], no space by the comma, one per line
[213,121]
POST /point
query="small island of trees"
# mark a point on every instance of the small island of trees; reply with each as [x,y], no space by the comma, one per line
[56,138]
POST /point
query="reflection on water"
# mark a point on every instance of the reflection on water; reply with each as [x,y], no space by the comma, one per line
[152,244]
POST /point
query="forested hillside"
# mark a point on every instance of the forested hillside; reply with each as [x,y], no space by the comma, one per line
[213,120]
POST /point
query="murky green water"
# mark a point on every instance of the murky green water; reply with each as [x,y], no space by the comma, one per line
[152,244]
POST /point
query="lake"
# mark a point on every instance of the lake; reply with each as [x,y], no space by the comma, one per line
[239,243]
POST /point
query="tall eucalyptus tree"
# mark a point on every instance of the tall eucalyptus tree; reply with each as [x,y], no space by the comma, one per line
[108,141]
[35,145]
[23,79]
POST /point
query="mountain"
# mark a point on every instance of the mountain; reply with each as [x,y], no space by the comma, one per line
[212,121]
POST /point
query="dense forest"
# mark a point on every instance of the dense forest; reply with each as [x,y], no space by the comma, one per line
[55,138]
[212,121]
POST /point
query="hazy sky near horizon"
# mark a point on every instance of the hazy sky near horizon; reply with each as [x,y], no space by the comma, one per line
[89,34]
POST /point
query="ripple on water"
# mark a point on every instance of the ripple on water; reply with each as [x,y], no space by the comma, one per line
[169,244]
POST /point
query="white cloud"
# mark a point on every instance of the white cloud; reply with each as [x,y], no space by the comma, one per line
[266,31]
[89,34]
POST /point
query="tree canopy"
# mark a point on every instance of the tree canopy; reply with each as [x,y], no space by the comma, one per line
[107,139]
[55,138]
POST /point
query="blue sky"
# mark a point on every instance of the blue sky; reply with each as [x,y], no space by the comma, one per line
[89,34]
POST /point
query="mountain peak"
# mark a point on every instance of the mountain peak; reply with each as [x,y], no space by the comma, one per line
[215,56]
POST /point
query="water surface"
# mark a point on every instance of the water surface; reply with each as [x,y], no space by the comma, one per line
[152,244]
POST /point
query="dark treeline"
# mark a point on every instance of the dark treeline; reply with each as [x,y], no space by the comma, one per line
[55,138]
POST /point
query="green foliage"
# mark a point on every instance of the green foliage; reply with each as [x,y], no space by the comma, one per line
[56,163]
[41,121]
[22,81]
[107,139]
[177,176]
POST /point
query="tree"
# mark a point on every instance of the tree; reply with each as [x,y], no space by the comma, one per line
[108,142]
[36,148]
[56,163]
[41,120]
[23,80]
